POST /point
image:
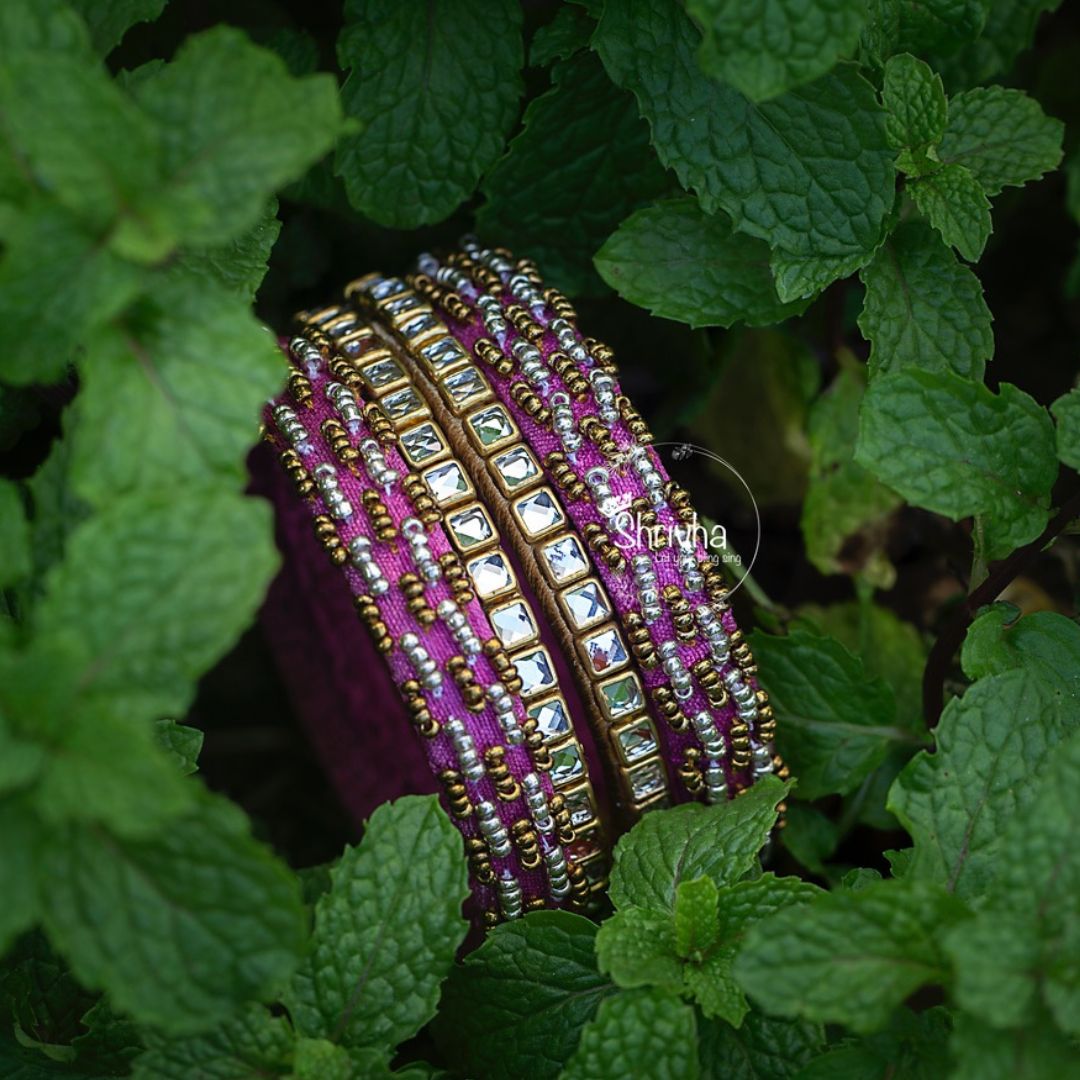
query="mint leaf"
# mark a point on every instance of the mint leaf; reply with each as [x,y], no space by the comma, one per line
[1037,1051]
[924,308]
[710,979]
[953,202]
[240,265]
[850,957]
[636,947]
[517,1005]
[318,1059]
[567,33]
[681,263]
[1023,946]
[763,50]
[180,928]
[1002,137]
[950,445]
[696,917]
[22,838]
[1044,643]
[915,111]
[110,1042]
[49,253]
[109,20]
[254,1043]
[152,591]
[809,836]
[721,842]
[761,1048]
[896,27]
[1066,412]
[175,351]
[634,1027]
[800,276]
[797,190]
[48,25]
[561,208]
[182,744]
[433,118]
[845,510]
[223,100]
[14,535]
[957,802]
[397,899]
[834,721]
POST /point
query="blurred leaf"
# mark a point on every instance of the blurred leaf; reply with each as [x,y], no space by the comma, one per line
[14,535]
[181,743]
[894,26]
[1037,1051]
[436,92]
[1066,412]
[809,836]
[109,20]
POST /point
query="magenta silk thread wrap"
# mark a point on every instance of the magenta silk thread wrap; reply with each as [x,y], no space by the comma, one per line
[689,720]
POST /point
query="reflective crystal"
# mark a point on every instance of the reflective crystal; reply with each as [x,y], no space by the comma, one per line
[464,384]
[442,353]
[470,527]
[622,696]
[513,624]
[586,604]
[535,671]
[384,287]
[539,512]
[637,740]
[381,373]
[565,558]
[646,780]
[447,482]
[419,325]
[490,575]
[516,467]
[421,442]
[552,720]
[605,650]
[401,403]
[402,304]
[566,765]
[491,425]
[580,805]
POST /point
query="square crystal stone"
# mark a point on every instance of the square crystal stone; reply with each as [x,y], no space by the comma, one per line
[552,719]
[516,468]
[586,604]
[636,740]
[536,671]
[443,353]
[403,403]
[421,324]
[565,559]
[465,387]
[339,327]
[605,651]
[421,443]
[622,696]
[491,575]
[566,765]
[513,624]
[400,304]
[646,781]
[539,513]
[491,427]
[448,483]
[470,527]
[580,804]
[382,373]
[381,288]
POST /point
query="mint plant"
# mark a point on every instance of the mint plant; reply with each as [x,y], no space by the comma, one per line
[808,229]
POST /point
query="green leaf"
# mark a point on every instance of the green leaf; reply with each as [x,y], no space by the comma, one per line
[48,253]
[318,1059]
[762,1048]
[189,369]
[924,308]
[1002,137]
[109,20]
[397,900]
[850,957]
[1066,412]
[179,929]
[14,535]
[695,917]
[1044,643]
[1035,1052]
[110,1042]
[809,172]
[636,947]
[894,26]
[711,980]
[517,1005]
[721,842]
[567,33]
[800,276]
[1023,946]
[436,91]
[560,208]
[957,802]
[221,101]
[915,110]
[681,263]
[154,589]
[952,446]
[22,835]
[767,47]
[953,202]
[19,1062]
[240,265]
[252,1044]
[632,1028]
[835,722]
[846,511]
[182,744]
[809,836]
[45,25]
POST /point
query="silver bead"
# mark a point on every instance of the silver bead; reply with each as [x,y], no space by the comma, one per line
[708,734]
[346,404]
[503,701]
[715,782]
[289,425]
[493,829]
[509,895]
[472,768]
[537,803]
[558,878]
[327,480]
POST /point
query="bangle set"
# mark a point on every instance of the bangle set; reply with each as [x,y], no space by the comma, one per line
[533,578]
